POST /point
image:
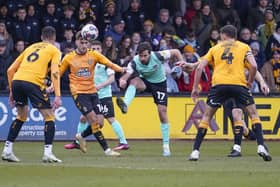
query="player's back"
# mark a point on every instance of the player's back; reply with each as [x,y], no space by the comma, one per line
[228,61]
[36,62]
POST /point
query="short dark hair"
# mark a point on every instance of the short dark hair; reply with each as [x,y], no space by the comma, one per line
[78,35]
[144,46]
[48,32]
[229,30]
[96,42]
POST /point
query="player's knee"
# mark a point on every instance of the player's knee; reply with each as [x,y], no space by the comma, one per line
[22,118]
[49,118]
[237,114]
[83,119]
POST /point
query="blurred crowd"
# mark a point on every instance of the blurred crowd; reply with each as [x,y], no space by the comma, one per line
[189,25]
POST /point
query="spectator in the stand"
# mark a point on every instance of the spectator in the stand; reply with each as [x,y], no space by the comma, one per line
[60,7]
[68,20]
[98,9]
[109,15]
[19,47]
[276,10]
[192,11]
[191,40]
[242,8]
[40,8]
[51,19]
[117,30]
[164,22]
[273,42]
[212,41]
[4,16]
[124,51]
[4,35]
[13,5]
[203,22]
[258,53]
[86,13]
[151,9]
[267,29]
[67,44]
[109,49]
[148,35]
[34,22]
[122,6]
[21,28]
[135,41]
[245,36]
[271,72]
[227,15]
[5,61]
[134,18]
[168,36]
[179,25]
[256,16]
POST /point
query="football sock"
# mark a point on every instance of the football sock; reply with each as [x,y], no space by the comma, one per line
[8,148]
[81,127]
[86,132]
[129,94]
[101,140]
[49,132]
[238,133]
[165,133]
[48,149]
[14,130]
[257,128]
[117,128]
[199,138]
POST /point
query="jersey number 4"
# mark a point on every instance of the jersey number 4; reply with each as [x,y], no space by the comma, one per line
[227,55]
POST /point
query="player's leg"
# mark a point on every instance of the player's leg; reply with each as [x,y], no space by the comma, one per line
[201,132]
[82,125]
[20,98]
[15,127]
[257,128]
[109,114]
[49,131]
[135,84]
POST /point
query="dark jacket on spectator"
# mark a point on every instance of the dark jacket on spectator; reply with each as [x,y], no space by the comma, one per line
[5,61]
[22,30]
[133,21]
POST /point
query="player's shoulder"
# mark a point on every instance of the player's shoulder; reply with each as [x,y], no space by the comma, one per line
[71,54]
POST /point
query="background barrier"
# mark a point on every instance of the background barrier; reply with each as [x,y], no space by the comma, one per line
[141,121]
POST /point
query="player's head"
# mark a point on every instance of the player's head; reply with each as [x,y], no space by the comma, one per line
[48,34]
[144,51]
[228,32]
[96,45]
[81,43]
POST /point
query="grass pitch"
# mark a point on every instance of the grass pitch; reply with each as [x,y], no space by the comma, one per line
[142,166]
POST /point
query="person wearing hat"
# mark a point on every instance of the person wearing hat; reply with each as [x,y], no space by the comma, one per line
[117,29]
[6,60]
[267,29]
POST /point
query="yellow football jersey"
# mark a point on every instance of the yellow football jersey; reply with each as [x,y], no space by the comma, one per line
[34,63]
[228,59]
[81,69]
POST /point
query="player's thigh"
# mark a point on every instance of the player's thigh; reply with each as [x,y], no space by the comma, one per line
[19,95]
[47,114]
[83,103]
[162,112]
[242,95]
[22,112]
[138,83]
[159,92]
[217,96]
[108,107]
[209,113]
[252,111]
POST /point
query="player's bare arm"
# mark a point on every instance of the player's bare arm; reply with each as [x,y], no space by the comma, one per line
[198,72]
[252,70]
[264,87]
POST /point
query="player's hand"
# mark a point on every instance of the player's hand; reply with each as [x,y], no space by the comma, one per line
[50,89]
[122,83]
[195,94]
[56,103]
[11,100]
[249,84]
[98,87]
[124,69]
[264,88]
[187,67]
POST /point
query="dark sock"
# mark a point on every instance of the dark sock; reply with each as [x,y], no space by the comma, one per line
[14,130]
[238,132]
[257,128]
[49,132]
[86,132]
[199,138]
[101,140]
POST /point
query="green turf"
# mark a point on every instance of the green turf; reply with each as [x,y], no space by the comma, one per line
[142,166]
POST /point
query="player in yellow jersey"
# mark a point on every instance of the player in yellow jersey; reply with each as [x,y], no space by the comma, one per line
[81,64]
[26,81]
[228,59]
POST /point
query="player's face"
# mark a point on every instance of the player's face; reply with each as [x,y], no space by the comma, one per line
[144,57]
[82,45]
